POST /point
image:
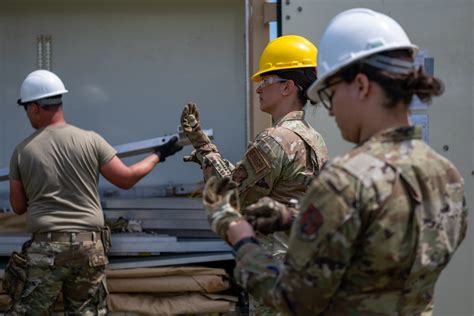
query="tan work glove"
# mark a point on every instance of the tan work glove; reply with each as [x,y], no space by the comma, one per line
[221,200]
[268,216]
[192,158]
[192,126]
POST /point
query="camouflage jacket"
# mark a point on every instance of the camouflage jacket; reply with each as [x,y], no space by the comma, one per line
[375,230]
[280,163]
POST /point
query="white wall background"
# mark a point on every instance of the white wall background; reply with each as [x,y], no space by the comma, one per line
[445,30]
[130,67]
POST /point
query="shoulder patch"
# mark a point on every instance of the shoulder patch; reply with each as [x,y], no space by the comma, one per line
[310,221]
[257,160]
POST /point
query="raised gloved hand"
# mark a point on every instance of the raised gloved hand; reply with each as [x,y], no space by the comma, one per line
[221,200]
[167,149]
[268,216]
[192,126]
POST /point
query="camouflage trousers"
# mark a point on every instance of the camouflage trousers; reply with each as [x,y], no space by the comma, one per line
[77,269]
[276,245]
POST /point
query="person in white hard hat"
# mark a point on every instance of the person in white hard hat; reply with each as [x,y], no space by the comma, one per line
[378,224]
[54,176]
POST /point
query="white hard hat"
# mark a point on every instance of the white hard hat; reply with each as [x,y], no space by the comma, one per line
[40,84]
[354,35]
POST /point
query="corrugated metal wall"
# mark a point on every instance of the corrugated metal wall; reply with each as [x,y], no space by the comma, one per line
[130,66]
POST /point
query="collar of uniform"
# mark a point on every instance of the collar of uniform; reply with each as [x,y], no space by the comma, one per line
[294,115]
[397,134]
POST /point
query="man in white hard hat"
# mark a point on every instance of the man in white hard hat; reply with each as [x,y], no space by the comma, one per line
[54,177]
[378,224]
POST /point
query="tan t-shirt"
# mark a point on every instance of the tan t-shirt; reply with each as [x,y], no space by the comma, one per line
[59,168]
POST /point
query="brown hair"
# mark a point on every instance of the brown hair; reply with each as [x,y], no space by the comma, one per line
[398,87]
[302,77]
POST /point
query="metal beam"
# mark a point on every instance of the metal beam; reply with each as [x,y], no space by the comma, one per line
[165,214]
[148,244]
[176,224]
[159,261]
[137,148]
[189,233]
[133,243]
[149,145]
[154,203]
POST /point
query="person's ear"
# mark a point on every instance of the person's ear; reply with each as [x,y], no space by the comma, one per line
[362,83]
[36,108]
[288,86]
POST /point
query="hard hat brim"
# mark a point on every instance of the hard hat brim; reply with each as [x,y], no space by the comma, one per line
[43,96]
[312,91]
[257,77]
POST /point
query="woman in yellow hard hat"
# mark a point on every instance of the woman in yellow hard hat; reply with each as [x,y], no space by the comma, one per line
[282,159]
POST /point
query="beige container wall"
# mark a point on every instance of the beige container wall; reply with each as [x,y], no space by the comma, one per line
[130,66]
[445,30]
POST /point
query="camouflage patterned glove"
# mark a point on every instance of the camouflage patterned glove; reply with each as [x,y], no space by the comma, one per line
[192,157]
[220,198]
[192,126]
[268,216]
[198,154]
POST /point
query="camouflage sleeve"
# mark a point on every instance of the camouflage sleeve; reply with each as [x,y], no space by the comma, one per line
[256,173]
[214,165]
[320,249]
[259,170]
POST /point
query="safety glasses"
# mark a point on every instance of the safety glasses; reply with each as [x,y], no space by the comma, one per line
[270,80]
[325,94]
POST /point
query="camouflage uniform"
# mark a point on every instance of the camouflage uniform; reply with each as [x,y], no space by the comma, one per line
[280,163]
[77,268]
[376,228]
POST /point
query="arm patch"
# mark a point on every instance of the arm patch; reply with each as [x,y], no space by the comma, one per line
[257,160]
[311,220]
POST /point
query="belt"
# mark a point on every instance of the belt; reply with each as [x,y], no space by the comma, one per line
[67,236]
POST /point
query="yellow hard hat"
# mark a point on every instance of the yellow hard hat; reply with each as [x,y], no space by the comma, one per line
[286,52]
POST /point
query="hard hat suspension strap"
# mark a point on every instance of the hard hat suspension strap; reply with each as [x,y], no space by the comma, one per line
[390,64]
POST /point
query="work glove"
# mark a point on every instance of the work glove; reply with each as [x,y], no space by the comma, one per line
[221,200]
[168,149]
[268,216]
[192,157]
[192,126]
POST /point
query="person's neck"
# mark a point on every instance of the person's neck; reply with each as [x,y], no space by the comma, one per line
[385,119]
[56,118]
[283,110]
